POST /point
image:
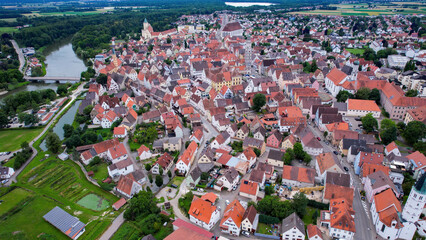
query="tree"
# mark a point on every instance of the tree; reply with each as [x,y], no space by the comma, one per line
[307,158]
[150,178]
[3,119]
[298,150]
[158,180]
[369,54]
[102,79]
[410,65]
[205,176]
[25,145]
[62,90]
[343,95]
[148,167]
[269,190]
[87,110]
[369,123]
[411,93]
[387,131]
[257,152]
[299,203]
[141,205]
[68,130]
[375,95]
[363,93]
[169,173]
[414,131]
[53,143]
[28,119]
[288,156]
[259,101]
[161,171]
[325,134]
[401,127]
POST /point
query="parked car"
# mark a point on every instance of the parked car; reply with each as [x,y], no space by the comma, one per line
[247,234]
[319,139]
[335,152]
[346,169]
[174,186]
[227,202]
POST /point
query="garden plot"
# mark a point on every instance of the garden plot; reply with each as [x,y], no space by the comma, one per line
[94,202]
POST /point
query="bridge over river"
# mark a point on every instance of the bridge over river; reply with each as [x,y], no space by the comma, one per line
[53,79]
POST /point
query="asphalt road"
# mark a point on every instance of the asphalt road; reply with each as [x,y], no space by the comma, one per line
[363,224]
[20,55]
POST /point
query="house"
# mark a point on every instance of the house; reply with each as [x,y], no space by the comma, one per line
[228,180]
[314,233]
[392,148]
[298,176]
[197,136]
[243,132]
[144,152]
[311,144]
[365,157]
[326,162]
[258,176]
[203,213]
[254,143]
[122,167]
[120,132]
[378,182]
[185,160]
[338,185]
[360,108]
[249,190]
[6,173]
[417,163]
[117,205]
[232,218]
[186,230]
[274,140]
[288,142]
[65,222]
[194,177]
[292,228]
[164,162]
[117,153]
[342,223]
[130,184]
[249,218]
[385,211]
[98,149]
[336,80]
[275,158]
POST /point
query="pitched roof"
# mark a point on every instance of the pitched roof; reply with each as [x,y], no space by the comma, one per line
[250,214]
[369,168]
[388,207]
[335,191]
[336,76]
[418,158]
[293,221]
[313,230]
[327,161]
[201,209]
[363,105]
[234,211]
[249,187]
[65,222]
[341,215]
[300,174]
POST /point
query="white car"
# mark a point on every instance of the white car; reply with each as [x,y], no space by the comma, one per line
[227,202]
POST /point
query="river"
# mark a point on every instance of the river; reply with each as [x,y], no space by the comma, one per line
[61,61]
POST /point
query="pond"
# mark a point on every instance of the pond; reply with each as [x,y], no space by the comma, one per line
[67,118]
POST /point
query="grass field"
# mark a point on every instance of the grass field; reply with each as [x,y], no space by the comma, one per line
[69,13]
[355,51]
[307,219]
[363,10]
[264,229]
[8,19]
[53,182]
[11,139]
[177,180]
[127,231]
[7,30]
[12,199]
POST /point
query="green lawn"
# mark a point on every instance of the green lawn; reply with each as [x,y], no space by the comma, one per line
[399,143]
[177,180]
[264,229]
[355,51]
[53,182]
[307,219]
[127,231]
[94,202]
[100,171]
[12,199]
[11,139]
[7,30]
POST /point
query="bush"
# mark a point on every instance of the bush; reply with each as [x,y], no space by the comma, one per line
[107,186]
[268,219]
[319,205]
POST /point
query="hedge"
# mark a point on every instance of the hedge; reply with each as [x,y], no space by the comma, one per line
[268,219]
[319,205]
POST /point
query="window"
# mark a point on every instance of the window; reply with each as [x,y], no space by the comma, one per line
[383,228]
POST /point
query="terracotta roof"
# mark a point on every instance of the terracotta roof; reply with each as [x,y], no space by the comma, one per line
[186,233]
[235,211]
[368,168]
[341,215]
[211,197]
[179,223]
[363,105]
[249,187]
[117,151]
[334,191]
[388,206]
[119,130]
[142,149]
[391,146]
[105,145]
[313,231]
[299,174]
[327,162]
[374,158]
[336,76]
[125,183]
[201,209]
[418,158]
[117,205]
[250,214]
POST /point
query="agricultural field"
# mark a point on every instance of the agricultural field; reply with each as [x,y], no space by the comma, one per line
[69,13]
[11,139]
[364,10]
[8,30]
[48,182]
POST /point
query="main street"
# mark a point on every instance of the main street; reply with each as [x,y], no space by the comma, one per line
[363,224]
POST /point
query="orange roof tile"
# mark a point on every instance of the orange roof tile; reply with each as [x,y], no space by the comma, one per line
[235,211]
[249,187]
[363,105]
[201,209]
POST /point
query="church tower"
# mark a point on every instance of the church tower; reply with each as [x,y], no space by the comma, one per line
[145,24]
[416,201]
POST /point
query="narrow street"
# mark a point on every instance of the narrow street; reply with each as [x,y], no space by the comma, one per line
[113,227]
[363,224]
[20,56]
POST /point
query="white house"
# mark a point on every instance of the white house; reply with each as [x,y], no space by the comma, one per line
[123,167]
[203,213]
[6,173]
[232,218]
[117,153]
[360,108]
[144,152]
[228,180]
[335,82]
[130,184]
[293,228]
